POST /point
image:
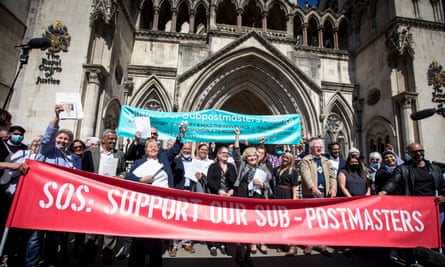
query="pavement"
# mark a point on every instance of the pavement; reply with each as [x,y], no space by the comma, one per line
[363,257]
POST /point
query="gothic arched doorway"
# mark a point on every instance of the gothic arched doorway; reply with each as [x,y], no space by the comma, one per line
[246,102]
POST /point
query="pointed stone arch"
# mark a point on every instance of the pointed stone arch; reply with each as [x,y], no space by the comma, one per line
[337,123]
[110,114]
[277,16]
[251,72]
[251,16]
[152,95]
[378,132]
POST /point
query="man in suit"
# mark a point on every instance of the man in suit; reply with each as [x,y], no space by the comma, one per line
[108,161]
[338,162]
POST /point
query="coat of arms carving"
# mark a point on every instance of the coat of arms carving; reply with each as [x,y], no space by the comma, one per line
[59,36]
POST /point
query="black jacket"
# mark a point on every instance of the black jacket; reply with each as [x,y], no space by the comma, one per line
[403,179]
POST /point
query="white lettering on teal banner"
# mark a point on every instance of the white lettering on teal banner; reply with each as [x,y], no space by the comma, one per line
[215,125]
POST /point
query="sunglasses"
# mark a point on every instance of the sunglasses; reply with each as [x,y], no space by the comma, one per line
[417,151]
[77,147]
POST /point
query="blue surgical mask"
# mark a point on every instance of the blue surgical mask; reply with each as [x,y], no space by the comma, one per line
[375,165]
[407,157]
[16,138]
[279,152]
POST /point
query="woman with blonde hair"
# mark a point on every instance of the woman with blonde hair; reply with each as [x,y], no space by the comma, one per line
[286,178]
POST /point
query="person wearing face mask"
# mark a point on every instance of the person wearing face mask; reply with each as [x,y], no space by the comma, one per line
[383,174]
[353,181]
[375,159]
[5,167]
[14,145]
[15,141]
[273,160]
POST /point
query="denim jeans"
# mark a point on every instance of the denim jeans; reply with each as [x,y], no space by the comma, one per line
[32,255]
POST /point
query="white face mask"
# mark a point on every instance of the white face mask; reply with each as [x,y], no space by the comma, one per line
[186,156]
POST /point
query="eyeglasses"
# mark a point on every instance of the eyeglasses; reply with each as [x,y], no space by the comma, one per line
[77,147]
[224,152]
[421,151]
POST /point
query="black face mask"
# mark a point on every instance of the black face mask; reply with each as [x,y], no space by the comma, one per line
[354,167]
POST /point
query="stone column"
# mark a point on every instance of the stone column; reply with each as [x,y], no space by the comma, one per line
[305,41]
[174,18]
[264,21]
[95,76]
[239,19]
[155,19]
[192,22]
[212,16]
[405,101]
[290,26]
[336,38]
[320,37]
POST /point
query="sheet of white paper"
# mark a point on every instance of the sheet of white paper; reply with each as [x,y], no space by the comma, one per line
[161,180]
[71,104]
[143,126]
[260,175]
[190,172]
[150,167]
[108,166]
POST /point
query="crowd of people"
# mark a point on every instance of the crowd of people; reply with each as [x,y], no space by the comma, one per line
[236,169]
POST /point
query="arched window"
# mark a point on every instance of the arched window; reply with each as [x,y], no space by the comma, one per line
[147,14]
[312,32]
[276,19]
[200,20]
[328,35]
[183,18]
[226,13]
[165,15]
[343,36]
[298,30]
[252,15]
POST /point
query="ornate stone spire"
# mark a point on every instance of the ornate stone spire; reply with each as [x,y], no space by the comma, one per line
[104,11]
[400,40]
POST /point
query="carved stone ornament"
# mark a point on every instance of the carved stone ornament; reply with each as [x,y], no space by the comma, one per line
[103,10]
[59,36]
[436,79]
[333,123]
[401,40]
[373,97]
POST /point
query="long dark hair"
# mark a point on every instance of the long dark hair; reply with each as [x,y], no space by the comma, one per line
[361,171]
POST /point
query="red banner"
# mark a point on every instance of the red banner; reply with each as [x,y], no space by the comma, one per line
[56,198]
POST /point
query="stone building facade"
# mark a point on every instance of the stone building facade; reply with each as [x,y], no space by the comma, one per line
[354,70]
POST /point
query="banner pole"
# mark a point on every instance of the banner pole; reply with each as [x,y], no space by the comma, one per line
[5,236]
[436,194]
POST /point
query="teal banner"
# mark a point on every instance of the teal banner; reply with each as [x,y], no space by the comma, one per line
[212,125]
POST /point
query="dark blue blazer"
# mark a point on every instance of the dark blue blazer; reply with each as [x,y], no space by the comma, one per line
[165,158]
